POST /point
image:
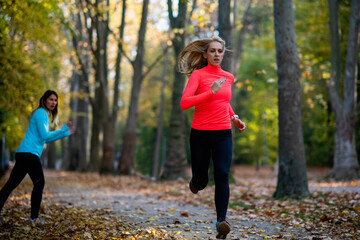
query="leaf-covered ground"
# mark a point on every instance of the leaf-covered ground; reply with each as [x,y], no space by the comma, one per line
[90,206]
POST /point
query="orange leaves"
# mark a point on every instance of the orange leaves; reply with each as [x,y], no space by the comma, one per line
[269,213]
[184,214]
[253,213]
[332,213]
[64,222]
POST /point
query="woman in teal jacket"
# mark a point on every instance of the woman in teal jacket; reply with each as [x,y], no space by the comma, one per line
[28,154]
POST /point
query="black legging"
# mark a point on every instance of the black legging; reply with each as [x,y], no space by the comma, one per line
[25,163]
[217,145]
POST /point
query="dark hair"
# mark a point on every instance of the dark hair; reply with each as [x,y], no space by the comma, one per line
[42,104]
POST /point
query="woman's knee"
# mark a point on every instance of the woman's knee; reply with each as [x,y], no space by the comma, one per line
[221,176]
[39,183]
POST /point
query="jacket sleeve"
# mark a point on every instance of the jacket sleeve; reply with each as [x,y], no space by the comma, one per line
[231,111]
[42,125]
[189,99]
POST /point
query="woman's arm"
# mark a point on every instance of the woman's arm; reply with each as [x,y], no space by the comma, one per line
[63,132]
[231,111]
[236,120]
[188,99]
[42,126]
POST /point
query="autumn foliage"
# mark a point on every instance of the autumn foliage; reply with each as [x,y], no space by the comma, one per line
[331,212]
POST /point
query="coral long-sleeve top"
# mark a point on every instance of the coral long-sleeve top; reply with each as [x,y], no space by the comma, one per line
[212,111]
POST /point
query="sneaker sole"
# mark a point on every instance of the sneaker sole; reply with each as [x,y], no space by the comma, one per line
[223,230]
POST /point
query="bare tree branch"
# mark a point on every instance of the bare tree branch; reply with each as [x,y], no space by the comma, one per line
[155,62]
[240,38]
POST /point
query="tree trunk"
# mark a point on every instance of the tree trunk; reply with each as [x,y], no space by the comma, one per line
[51,155]
[99,64]
[232,58]
[82,129]
[78,140]
[99,110]
[225,31]
[126,165]
[65,149]
[95,143]
[99,106]
[346,164]
[111,117]
[102,27]
[80,99]
[48,157]
[80,107]
[110,121]
[107,163]
[127,158]
[160,119]
[239,41]
[292,177]
[175,162]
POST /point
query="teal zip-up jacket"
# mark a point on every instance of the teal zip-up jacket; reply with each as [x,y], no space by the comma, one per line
[37,133]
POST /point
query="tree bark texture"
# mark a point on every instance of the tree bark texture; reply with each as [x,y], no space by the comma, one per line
[292,177]
[109,125]
[175,162]
[51,155]
[346,164]
[100,103]
[80,111]
[107,163]
[127,158]
[99,23]
[78,141]
[79,91]
[225,31]
[96,130]
[239,41]
[160,121]
[232,58]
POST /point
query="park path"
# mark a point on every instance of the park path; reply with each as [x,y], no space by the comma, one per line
[145,204]
[184,220]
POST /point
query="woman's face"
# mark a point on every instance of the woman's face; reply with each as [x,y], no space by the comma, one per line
[214,54]
[51,102]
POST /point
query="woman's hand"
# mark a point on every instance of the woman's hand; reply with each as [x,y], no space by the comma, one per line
[216,85]
[238,123]
[71,126]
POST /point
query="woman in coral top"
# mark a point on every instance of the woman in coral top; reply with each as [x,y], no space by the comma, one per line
[209,91]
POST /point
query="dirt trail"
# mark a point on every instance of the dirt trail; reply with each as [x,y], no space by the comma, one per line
[185,220]
[168,205]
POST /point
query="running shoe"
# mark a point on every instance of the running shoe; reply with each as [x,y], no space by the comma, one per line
[223,228]
[36,221]
[192,188]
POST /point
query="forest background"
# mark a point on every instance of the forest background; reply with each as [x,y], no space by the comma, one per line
[113,68]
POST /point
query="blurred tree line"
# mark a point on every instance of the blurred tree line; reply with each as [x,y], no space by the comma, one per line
[112,63]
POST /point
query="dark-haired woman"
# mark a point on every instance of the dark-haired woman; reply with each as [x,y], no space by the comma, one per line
[209,91]
[28,154]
